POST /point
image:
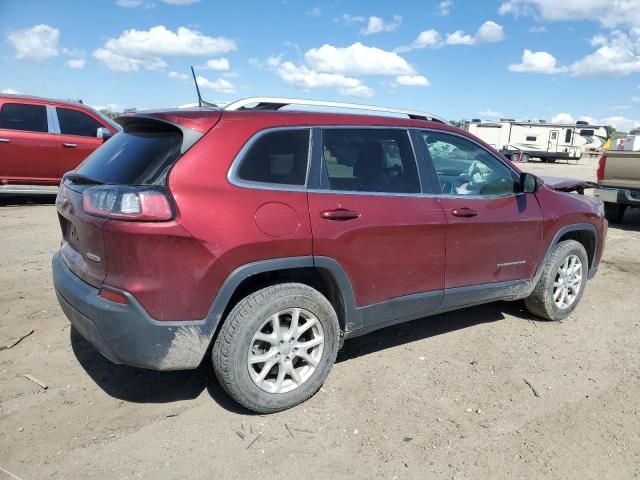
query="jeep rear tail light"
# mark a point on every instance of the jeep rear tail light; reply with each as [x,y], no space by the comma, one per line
[127,203]
[602,163]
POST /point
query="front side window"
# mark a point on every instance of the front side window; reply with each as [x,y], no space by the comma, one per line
[465,168]
[587,133]
[278,157]
[73,122]
[370,160]
[21,116]
[532,139]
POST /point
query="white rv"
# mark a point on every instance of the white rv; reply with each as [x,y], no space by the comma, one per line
[546,141]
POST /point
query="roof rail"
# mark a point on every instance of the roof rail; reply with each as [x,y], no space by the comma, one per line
[276,103]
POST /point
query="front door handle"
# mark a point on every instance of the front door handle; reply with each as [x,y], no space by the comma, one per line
[464,212]
[339,214]
[69,145]
[5,140]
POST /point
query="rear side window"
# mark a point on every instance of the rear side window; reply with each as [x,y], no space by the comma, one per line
[567,135]
[587,133]
[370,160]
[278,157]
[142,154]
[73,122]
[531,138]
[19,116]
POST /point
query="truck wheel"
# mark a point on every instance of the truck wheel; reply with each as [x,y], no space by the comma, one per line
[562,282]
[276,347]
[525,158]
[614,212]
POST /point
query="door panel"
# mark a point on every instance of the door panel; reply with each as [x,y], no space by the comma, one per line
[494,233]
[502,242]
[373,219]
[553,141]
[394,247]
[71,151]
[27,157]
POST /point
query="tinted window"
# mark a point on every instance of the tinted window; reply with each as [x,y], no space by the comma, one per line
[18,116]
[554,135]
[587,133]
[465,168]
[370,160]
[531,139]
[277,157]
[73,122]
[140,155]
[567,136]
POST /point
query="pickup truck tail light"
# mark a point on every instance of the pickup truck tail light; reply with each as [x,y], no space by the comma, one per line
[127,203]
[602,163]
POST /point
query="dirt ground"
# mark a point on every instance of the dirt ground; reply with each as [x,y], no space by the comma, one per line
[442,397]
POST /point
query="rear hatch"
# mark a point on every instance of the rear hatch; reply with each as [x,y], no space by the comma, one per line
[140,156]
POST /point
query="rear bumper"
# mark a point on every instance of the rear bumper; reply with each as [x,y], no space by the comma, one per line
[126,334]
[623,196]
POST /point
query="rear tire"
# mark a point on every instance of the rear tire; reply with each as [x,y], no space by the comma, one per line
[614,212]
[260,358]
[554,286]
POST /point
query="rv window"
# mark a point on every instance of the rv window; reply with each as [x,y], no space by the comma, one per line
[567,136]
[532,139]
[554,135]
[587,133]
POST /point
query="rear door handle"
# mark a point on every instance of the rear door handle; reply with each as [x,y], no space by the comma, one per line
[339,214]
[5,140]
[464,212]
[69,145]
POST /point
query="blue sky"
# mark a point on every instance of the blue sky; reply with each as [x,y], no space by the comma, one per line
[568,59]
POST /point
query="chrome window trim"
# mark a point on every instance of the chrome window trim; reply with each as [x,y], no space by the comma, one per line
[52,117]
[232,174]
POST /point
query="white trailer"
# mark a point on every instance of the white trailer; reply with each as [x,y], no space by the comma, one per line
[546,141]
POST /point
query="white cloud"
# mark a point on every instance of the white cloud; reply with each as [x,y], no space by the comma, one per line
[538,29]
[306,78]
[315,12]
[10,91]
[412,80]
[36,43]
[444,7]
[635,99]
[357,59]
[488,32]
[621,123]
[135,48]
[426,39]
[378,25]
[562,118]
[348,19]
[488,113]
[609,13]
[178,76]
[537,62]
[75,63]
[217,64]
[617,55]
[220,85]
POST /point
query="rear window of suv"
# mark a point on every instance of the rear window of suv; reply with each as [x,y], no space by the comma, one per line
[141,154]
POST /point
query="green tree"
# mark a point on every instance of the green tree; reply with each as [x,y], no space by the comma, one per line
[635,131]
[109,113]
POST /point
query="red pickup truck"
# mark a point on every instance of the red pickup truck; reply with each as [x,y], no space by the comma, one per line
[42,139]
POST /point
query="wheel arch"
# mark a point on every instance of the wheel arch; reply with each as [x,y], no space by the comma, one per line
[321,273]
[584,233]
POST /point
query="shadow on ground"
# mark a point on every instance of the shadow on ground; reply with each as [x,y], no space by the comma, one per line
[147,386]
[13,200]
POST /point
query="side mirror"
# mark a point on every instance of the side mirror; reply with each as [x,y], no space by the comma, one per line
[529,183]
[104,133]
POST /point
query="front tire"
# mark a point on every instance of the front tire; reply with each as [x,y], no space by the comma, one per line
[276,347]
[562,282]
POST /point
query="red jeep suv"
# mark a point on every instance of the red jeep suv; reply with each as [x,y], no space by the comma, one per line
[270,236]
[41,139]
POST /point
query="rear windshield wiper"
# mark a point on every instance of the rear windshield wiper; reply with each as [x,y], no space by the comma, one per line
[82,179]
